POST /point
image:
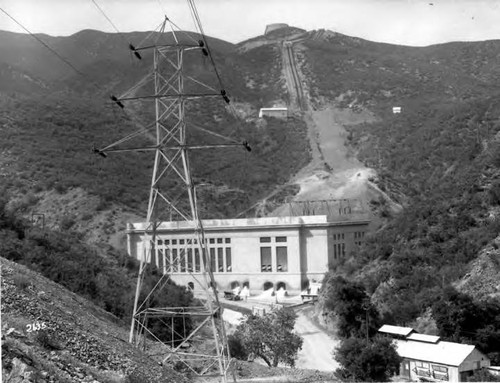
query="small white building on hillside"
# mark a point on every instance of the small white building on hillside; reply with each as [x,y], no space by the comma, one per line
[274,112]
[428,358]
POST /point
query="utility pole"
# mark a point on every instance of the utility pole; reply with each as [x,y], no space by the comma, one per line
[173,194]
[366,307]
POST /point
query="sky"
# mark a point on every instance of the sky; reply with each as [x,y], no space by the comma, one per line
[406,22]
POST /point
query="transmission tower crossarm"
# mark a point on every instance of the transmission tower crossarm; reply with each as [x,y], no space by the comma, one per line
[171,96]
[185,46]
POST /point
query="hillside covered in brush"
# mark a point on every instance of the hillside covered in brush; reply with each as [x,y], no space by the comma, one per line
[51,124]
[439,158]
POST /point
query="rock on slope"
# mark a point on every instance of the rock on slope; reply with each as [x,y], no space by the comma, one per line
[52,335]
[483,279]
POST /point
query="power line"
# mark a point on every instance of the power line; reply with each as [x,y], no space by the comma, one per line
[106,16]
[43,43]
[162,7]
[197,20]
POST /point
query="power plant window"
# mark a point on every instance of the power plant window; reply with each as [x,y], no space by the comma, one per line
[280,239]
[161,260]
[265,239]
[190,262]
[197,267]
[227,240]
[175,260]
[220,259]
[281,259]
[265,260]
[219,240]
[228,260]
[168,261]
[182,260]
[212,260]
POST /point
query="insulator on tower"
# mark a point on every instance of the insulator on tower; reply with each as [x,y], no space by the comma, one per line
[118,102]
[224,96]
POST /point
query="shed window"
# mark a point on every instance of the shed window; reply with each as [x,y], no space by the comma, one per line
[440,372]
[440,368]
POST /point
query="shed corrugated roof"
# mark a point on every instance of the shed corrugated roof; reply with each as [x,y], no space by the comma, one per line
[423,338]
[448,353]
[396,330]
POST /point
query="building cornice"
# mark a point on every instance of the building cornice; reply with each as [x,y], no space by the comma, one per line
[277,226]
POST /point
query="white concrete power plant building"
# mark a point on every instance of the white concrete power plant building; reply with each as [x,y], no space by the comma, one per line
[260,253]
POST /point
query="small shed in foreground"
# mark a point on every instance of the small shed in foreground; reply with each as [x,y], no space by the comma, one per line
[428,358]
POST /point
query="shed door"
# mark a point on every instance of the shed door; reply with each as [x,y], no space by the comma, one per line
[406,368]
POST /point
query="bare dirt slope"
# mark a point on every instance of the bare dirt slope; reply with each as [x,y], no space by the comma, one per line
[334,171]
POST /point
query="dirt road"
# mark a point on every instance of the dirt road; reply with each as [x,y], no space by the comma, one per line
[316,353]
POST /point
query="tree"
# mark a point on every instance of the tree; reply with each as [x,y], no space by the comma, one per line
[456,315]
[271,337]
[374,360]
[482,375]
[351,305]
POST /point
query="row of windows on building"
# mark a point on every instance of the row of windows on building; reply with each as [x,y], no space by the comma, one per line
[338,250]
[177,255]
[191,241]
[437,372]
[358,236]
[341,236]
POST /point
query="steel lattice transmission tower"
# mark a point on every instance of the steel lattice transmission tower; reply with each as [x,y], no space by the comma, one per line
[173,193]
